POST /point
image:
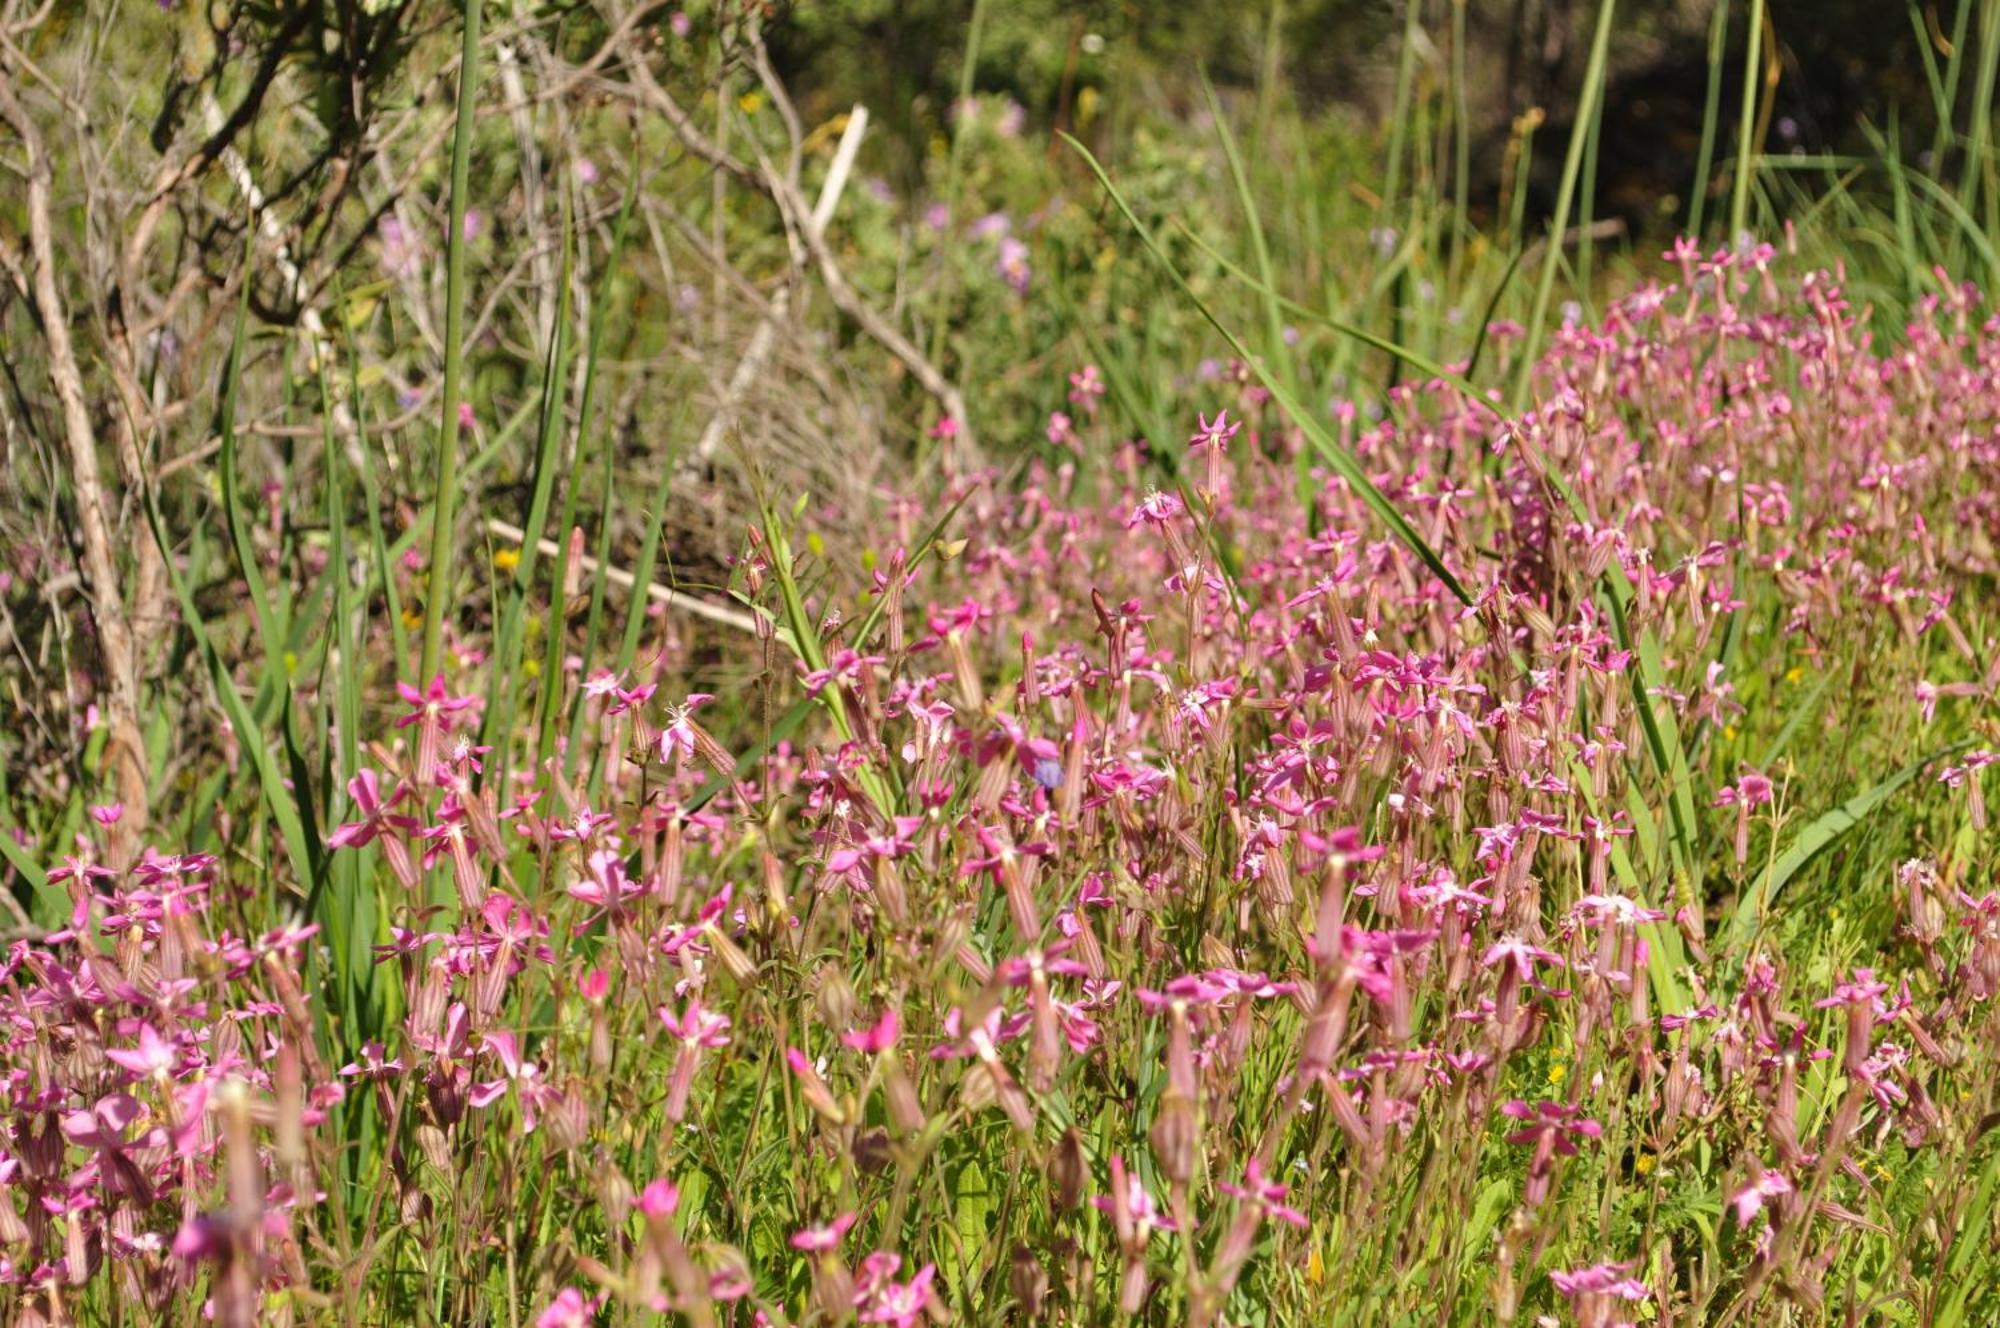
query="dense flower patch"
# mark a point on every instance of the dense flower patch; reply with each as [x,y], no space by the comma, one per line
[1176,903]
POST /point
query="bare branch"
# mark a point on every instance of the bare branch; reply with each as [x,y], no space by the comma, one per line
[618,576]
[791,203]
[107,602]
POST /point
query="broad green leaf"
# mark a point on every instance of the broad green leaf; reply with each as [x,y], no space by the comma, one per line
[1815,839]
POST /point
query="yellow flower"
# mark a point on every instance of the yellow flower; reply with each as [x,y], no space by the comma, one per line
[1086,107]
[1315,1268]
[1794,673]
[1729,732]
[1643,1164]
[1557,1073]
[412,619]
[506,560]
[749,102]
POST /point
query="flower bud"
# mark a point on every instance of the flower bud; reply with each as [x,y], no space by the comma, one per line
[615,1194]
[834,996]
[1175,1136]
[568,1117]
[1070,1169]
[1029,1282]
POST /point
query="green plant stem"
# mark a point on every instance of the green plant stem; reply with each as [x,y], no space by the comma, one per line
[1977,167]
[1399,116]
[941,302]
[437,587]
[1746,126]
[1593,91]
[1711,107]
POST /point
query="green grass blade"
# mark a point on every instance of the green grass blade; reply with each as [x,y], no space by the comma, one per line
[1807,707]
[549,703]
[1141,413]
[1662,734]
[642,578]
[649,549]
[607,519]
[1746,126]
[1399,113]
[1665,956]
[1586,248]
[1423,364]
[301,843]
[1593,93]
[1711,109]
[1486,317]
[1980,119]
[1971,1238]
[51,905]
[1267,282]
[350,917]
[1954,66]
[926,547]
[787,725]
[371,491]
[497,726]
[803,635]
[954,163]
[437,587]
[1933,77]
[269,630]
[1815,839]
[1343,462]
[1967,225]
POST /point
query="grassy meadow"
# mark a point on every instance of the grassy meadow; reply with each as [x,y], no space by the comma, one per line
[980,663]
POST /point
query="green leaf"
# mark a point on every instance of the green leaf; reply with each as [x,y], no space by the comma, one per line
[1816,839]
[811,651]
[277,799]
[787,725]
[50,904]
[439,572]
[269,629]
[1664,954]
[1485,1216]
[497,726]
[972,1205]
[1804,710]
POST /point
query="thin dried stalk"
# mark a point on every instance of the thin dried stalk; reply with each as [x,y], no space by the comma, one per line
[126,752]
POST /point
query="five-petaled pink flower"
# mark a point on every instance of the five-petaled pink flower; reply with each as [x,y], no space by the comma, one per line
[1767,1186]
[678,739]
[153,1056]
[1155,509]
[816,1240]
[696,1025]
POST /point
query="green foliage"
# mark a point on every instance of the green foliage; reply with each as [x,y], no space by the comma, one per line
[1254,225]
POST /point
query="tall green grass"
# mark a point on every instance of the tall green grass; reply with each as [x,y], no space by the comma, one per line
[444,536]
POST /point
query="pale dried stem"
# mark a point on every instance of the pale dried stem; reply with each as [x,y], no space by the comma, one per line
[646,89]
[618,576]
[126,752]
[751,367]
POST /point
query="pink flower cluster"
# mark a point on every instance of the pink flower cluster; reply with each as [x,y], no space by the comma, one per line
[1185,863]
